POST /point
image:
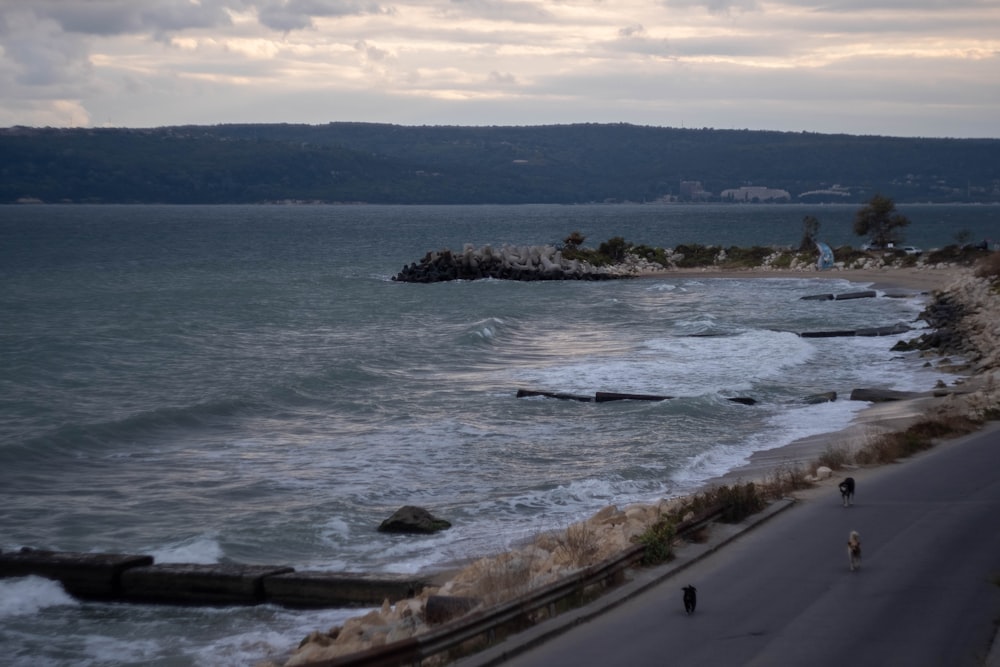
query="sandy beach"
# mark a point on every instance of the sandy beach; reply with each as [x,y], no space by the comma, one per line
[922,279]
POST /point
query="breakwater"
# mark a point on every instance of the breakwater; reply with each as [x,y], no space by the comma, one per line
[505,263]
[136,578]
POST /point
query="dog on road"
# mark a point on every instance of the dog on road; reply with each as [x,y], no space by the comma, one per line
[690,598]
[847,491]
[854,550]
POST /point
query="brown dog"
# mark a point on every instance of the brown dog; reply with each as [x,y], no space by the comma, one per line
[854,550]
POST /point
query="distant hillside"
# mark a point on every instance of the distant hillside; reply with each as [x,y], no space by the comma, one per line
[377,163]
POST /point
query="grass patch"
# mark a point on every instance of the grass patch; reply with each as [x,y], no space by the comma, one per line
[695,255]
[745,258]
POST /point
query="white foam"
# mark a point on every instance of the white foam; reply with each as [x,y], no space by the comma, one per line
[24,596]
[202,549]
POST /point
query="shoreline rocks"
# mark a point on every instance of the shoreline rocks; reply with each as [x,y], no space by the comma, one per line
[413,520]
[525,263]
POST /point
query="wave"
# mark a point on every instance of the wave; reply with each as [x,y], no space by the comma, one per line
[79,439]
[24,596]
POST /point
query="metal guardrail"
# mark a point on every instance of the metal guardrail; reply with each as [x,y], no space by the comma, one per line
[480,629]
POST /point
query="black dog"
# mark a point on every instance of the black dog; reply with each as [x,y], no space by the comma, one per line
[690,598]
[847,491]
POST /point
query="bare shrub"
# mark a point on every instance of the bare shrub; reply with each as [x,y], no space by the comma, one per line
[989,266]
[579,544]
[505,576]
[834,457]
[889,447]
[738,501]
[783,480]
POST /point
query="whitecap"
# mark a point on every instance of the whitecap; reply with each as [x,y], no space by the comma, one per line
[24,596]
[202,549]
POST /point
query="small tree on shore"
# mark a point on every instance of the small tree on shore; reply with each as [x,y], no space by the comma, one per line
[810,229]
[880,222]
[574,240]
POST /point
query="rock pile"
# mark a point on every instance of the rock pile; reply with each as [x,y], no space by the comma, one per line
[506,263]
[964,320]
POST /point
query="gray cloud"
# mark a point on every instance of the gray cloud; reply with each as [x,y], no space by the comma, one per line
[286,15]
[716,6]
[116,17]
[932,68]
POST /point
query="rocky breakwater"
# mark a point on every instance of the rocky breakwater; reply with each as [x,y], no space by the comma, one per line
[964,320]
[508,262]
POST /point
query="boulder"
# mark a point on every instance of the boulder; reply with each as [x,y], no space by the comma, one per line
[825,397]
[443,608]
[412,519]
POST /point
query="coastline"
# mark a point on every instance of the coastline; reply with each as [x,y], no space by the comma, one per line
[917,280]
[615,529]
[877,418]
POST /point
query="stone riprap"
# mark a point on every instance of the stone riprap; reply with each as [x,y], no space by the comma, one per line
[510,262]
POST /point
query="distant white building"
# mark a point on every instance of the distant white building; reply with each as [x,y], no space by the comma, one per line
[752,193]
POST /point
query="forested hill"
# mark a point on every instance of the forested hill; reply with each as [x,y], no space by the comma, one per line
[377,163]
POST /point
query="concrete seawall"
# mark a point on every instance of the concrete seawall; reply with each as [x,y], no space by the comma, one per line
[136,578]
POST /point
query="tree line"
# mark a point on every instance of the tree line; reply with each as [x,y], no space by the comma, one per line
[391,164]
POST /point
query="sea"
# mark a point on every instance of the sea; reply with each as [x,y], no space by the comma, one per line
[247,384]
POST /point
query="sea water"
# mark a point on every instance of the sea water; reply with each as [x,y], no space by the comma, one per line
[247,384]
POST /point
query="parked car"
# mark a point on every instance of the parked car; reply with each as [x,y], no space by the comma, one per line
[871,246]
[911,250]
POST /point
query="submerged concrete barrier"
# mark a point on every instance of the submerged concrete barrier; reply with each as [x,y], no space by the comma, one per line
[890,330]
[185,583]
[83,575]
[528,393]
[866,294]
[339,589]
[605,396]
[136,578]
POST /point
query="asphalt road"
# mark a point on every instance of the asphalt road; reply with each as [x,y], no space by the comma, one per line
[927,594]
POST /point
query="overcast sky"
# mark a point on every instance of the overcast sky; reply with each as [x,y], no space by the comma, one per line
[892,67]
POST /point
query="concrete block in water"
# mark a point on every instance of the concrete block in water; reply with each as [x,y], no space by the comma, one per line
[83,575]
[187,583]
[339,589]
